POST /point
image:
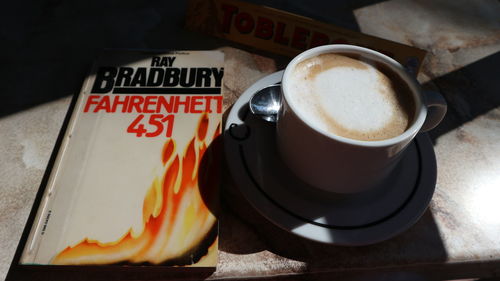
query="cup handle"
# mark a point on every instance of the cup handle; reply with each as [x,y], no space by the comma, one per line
[436,110]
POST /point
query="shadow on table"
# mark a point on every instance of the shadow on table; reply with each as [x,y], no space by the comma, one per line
[470,91]
[49,46]
[415,245]
[245,231]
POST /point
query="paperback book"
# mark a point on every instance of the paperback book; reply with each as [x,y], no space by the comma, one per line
[135,180]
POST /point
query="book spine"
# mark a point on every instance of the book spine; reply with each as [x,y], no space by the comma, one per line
[43,214]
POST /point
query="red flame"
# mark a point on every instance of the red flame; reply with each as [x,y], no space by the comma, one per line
[176,219]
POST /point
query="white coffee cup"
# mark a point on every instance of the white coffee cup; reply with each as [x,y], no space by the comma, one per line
[339,164]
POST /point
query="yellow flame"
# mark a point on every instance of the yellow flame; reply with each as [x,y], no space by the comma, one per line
[175,218]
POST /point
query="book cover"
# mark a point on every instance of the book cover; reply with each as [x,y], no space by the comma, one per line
[135,180]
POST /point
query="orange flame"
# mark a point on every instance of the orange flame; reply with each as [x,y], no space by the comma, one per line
[175,217]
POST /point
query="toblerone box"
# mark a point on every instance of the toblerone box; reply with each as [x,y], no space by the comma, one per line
[136,176]
[285,33]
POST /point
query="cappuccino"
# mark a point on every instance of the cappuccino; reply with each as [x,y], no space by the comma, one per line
[348,97]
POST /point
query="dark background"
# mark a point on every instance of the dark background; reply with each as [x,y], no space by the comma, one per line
[48,45]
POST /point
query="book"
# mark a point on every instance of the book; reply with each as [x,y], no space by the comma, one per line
[135,180]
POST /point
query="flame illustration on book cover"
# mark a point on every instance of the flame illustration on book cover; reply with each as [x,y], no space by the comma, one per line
[179,225]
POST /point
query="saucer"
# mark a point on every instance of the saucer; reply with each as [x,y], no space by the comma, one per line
[341,219]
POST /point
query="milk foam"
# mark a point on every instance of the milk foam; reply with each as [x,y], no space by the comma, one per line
[347,97]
